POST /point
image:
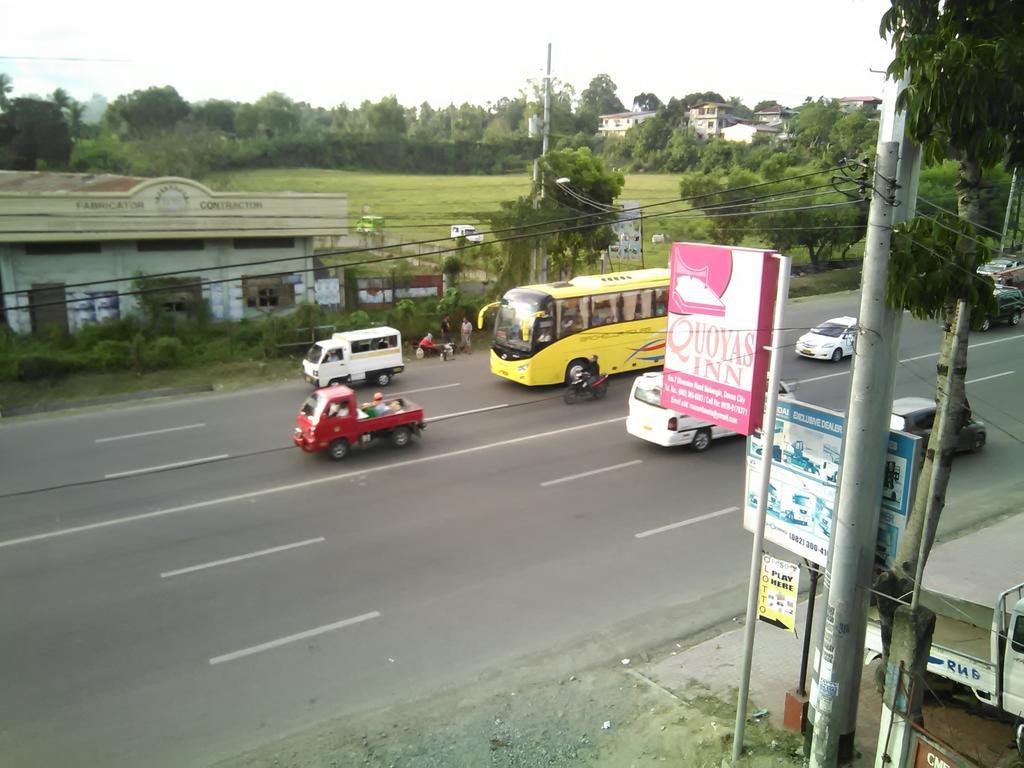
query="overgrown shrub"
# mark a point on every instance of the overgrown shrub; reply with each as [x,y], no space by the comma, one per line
[41,367]
[164,352]
[111,355]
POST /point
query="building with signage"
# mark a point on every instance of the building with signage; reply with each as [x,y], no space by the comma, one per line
[72,247]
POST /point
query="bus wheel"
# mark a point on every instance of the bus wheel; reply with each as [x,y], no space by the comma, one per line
[701,440]
[574,369]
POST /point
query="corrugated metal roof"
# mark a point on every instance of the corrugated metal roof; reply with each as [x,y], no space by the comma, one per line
[38,181]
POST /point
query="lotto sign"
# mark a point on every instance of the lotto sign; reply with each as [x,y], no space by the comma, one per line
[776,596]
[719,323]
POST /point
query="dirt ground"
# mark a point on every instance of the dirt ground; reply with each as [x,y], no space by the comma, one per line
[608,715]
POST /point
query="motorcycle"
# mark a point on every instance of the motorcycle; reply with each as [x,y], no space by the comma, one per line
[585,385]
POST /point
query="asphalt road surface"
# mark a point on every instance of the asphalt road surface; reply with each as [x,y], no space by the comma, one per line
[179,583]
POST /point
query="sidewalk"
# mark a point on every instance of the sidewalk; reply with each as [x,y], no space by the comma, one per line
[715,663]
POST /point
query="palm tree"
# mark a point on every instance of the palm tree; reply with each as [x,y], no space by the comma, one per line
[6,86]
[61,98]
[76,124]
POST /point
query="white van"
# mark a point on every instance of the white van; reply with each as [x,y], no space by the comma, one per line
[467,231]
[372,354]
[649,421]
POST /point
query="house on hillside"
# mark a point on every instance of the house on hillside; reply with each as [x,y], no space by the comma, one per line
[853,103]
[73,245]
[746,131]
[708,118]
[620,122]
[773,115]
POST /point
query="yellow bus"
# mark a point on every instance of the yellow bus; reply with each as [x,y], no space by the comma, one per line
[543,334]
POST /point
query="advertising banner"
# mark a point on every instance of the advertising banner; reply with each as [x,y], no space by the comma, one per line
[804,474]
[776,596]
[719,323]
[628,229]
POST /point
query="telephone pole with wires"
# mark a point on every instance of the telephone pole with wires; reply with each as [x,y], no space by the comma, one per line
[538,188]
[848,577]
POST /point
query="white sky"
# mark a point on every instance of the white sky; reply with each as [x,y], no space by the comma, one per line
[326,52]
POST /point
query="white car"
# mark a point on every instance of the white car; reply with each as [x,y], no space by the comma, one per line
[832,340]
[650,421]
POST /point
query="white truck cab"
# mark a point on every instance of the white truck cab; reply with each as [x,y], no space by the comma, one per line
[371,354]
[467,231]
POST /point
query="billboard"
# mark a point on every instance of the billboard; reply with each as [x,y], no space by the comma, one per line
[719,323]
[629,235]
[804,475]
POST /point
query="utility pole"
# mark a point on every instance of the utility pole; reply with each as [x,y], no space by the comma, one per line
[848,578]
[536,173]
[1009,207]
[855,519]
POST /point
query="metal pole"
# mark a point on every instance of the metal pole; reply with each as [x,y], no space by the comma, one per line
[855,520]
[768,443]
[1009,205]
[806,652]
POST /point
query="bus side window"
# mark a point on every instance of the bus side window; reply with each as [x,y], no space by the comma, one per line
[605,310]
[573,315]
[660,302]
[633,305]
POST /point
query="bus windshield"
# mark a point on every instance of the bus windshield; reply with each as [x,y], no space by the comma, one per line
[513,326]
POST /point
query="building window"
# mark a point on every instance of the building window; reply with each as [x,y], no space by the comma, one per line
[149,246]
[267,292]
[60,249]
[254,243]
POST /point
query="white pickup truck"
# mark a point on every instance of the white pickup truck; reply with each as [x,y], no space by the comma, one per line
[979,645]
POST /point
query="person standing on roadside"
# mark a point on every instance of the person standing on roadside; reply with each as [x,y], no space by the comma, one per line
[467,335]
[446,330]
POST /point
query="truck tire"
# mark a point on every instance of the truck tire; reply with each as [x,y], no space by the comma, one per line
[338,450]
[383,378]
[701,440]
[400,437]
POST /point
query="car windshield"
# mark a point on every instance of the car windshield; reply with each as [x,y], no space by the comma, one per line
[313,407]
[314,353]
[997,265]
[513,326]
[829,329]
[650,396]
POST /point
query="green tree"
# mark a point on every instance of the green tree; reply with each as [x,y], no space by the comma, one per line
[76,119]
[813,124]
[6,87]
[718,195]
[61,98]
[964,98]
[148,112]
[216,114]
[646,102]
[277,115]
[601,97]
[385,119]
[35,134]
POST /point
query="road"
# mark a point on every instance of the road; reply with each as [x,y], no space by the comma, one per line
[181,584]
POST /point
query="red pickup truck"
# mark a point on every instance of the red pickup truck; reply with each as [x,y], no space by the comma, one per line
[331,420]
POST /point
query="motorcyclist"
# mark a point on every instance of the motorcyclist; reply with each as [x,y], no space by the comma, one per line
[590,372]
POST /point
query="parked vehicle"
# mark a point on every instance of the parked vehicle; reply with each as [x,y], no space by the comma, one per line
[467,231]
[371,354]
[586,385]
[331,420]
[370,224]
[1009,307]
[832,340]
[1004,270]
[979,646]
[650,421]
[916,415]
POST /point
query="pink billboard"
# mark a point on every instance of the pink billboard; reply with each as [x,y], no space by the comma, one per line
[719,322]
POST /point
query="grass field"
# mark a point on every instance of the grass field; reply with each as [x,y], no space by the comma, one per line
[424,207]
